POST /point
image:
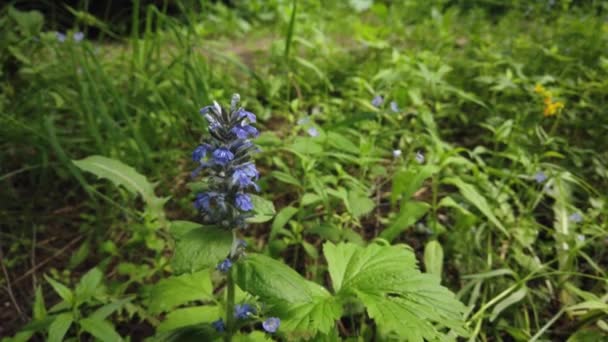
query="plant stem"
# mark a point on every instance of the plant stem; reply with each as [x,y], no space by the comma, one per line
[229,308]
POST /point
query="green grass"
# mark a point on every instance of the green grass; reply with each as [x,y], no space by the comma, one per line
[463,76]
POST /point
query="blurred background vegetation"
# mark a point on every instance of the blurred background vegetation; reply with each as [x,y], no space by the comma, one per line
[492,93]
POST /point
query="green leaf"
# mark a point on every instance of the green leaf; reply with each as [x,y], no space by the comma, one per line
[189,316]
[281,219]
[341,142]
[88,285]
[396,294]
[433,258]
[39,308]
[106,310]
[304,307]
[60,326]
[305,146]
[199,247]
[472,195]
[286,178]
[263,209]
[409,214]
[122,175]
[360,204]
[177,290]
[406,183]
[102,330]
[510,300]
[63,292]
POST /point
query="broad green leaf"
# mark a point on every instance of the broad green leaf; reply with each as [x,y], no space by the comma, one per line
[263,209]
[87,285]
[510,300]
[360,204]
[122,175]
[433,258]
[341,142]
[177,290]
[102,330]
[189,316]
[303,307]
[395,293]
[63,292]
[472,195]
[281,219]
[410,213]
[406,183]
[60,326]
[199,247]
[305,146]
[286,178]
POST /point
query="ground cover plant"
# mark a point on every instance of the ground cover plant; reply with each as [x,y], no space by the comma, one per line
[304,170]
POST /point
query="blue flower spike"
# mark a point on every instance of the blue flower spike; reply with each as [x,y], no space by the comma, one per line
[224,266]
[225,161]
[272,324]
[219,325]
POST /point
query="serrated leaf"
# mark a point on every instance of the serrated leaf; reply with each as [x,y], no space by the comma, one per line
[198,247]
[263,210]
[63,292]
[433,258]
[410,213]
[102,330]
[472,195]
[359,204]
[177,290]
[122,175]
[87,285]
[189,316]
[281,219]
[60,326]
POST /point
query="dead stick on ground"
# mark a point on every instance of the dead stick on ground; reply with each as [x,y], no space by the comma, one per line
[59,252]
[9,288]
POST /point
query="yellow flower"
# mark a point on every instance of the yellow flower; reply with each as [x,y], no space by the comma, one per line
[539,89]
[551,108]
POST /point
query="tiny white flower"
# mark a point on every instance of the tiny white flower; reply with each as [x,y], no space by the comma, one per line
[396,153]
[313,132]
[419,157]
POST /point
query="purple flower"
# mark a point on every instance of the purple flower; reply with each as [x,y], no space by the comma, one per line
[377,101]
[78,36]
[60,37]
[394,107]
[243,311]
[575,218]
[224,266]
[219,325]
[313,132]
[244,132]
[222,156]
[245,114]
[203,201]
[244,174]
[243,202]
[271,324]
[200,152]
[540,177]
[419,157]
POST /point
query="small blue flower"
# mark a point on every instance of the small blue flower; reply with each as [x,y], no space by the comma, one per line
[60,37]
[396,153]
[575,218]
[243,311]
[224,266]
[78,36]
[313,132]
[395,107]
[219,325]
[271,324]
[377,101]
[200,152]
[540,177]
[244,132]
[419,157]
[241,243]
[245,114]
[222,156]
[203,201]
[243,202]
[244,174]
